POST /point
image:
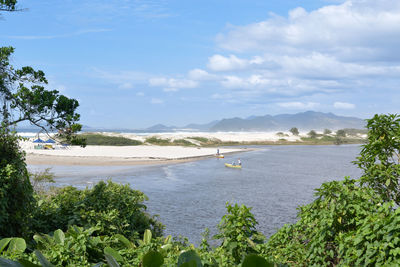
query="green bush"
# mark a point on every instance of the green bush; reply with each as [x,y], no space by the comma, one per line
[16,193]
[200,139]
[238,235]
[104,140]
[182,142]
[158,141]
[113,208]
[315,239]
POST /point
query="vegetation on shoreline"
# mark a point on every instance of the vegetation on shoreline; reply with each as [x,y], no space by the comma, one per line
[345,136]
[105,140]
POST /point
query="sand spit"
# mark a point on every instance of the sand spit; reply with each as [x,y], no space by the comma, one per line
[121,155]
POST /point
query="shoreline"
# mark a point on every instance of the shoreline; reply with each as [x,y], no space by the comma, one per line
[60,160]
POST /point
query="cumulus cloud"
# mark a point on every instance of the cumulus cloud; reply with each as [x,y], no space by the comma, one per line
[222,63]
[343,105]
[357,30]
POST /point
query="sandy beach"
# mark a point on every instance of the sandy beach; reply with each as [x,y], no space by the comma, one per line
[120,155]
[147,153]
[143,154]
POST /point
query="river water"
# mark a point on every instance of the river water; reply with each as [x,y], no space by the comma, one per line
[191,196]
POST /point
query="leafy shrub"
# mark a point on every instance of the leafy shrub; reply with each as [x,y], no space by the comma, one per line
[111,207]
[315,239]
[16,193]
[341,133]
[380,157]
[294,131]
[158,141]
[104,140]
[376,242]
[200,139]
[182,142]
[238,235]
[312,134]
[40,180]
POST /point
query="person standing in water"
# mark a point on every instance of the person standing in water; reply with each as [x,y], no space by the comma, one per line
[217,151]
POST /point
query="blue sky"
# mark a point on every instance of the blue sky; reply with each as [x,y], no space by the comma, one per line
[135,63]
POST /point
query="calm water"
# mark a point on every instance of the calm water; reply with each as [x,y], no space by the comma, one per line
[191,196]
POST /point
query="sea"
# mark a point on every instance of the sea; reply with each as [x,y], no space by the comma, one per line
[190,197]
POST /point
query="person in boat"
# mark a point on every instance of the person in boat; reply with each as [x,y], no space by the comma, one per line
[217,151]
[233,163]
[239,162]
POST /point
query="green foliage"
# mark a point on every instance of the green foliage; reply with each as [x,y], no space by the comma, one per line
[158,141]
[316,238]
[104,140]
[41,179]
[253,260]
[8,5]
[237,231]
[341,133]
[327,138]
[16,193]
[294,131]
[152,259]
[77,245]
[201,139]
[112,208]
[376,242]
[380,157]
[22,92]
[312,134]
[338,140]
[327,131]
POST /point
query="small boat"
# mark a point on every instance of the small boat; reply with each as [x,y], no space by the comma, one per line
[233,166]
[220,156]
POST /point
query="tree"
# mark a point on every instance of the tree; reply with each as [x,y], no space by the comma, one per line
[380,157]
[8,5]
[327,131]
[24,98]
[312,134]
[16,194]
[294,131]
[341,133]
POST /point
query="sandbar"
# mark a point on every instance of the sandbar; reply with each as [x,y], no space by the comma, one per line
[122,155]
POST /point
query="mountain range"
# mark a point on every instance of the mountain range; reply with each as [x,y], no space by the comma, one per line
[309,120]
[303,121]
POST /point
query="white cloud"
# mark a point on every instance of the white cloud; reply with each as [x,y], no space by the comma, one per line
[156,101]
[354,30]
[221,63]
[139,94]
[343,105]
[298,105]
[253,81]
[201,75]
[172,84]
